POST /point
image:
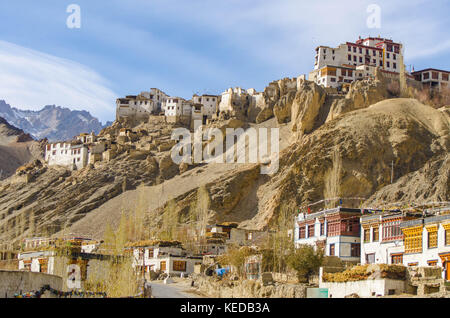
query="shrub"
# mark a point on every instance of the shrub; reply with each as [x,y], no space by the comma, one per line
[306,261]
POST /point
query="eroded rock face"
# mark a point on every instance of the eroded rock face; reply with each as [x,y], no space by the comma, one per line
[306,107]
[352,157]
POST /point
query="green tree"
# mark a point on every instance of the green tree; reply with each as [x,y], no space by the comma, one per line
[306,261]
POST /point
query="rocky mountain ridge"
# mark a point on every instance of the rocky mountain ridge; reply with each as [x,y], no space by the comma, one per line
[55,123]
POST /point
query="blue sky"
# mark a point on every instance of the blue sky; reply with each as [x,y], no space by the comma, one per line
[187,46]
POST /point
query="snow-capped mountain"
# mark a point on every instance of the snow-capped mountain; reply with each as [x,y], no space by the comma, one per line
[53,122]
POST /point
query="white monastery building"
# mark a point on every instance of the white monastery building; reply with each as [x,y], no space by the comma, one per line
[335,66]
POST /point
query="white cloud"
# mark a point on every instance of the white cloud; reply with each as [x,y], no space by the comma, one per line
[30,79]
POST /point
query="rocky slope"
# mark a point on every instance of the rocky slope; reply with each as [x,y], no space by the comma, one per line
[16,148]
[332,145]
[52,122]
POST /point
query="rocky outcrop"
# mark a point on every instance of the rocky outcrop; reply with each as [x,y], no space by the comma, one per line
[352,156]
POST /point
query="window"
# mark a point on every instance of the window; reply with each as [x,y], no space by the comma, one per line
[360,59]
[395,65]
[366,235]
[162,265]
[322,228]
[349,72]
[374,53]
[397,258]
[435,75]
[413,239]
[150,253]
[179,266]
[354,58]
[301,232]
[311,230]
[370,258]
[333,228]
[432,236]
[360,50]
[349,57]
[354,49]
[388,64]
[426,75]
[445,76]
[394,56]
[374,61]
[333,79]
[381,63]
[387,55]
[376,234]
[391,230]
[432,262]
[349,48]
[355,250]
[332,250]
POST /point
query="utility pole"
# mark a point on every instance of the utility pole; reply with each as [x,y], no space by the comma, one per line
[392,171]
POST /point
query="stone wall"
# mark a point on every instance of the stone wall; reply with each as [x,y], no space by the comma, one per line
[365,288]
[215,288]
[12,282]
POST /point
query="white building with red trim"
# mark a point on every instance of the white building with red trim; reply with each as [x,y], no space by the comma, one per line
[335,66]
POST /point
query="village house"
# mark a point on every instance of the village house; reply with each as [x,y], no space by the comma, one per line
[43,255]
[162,256]
[136,108]
[336,231]
[382,238]
[432,78]
[70,154]
[209,103]
[178,110]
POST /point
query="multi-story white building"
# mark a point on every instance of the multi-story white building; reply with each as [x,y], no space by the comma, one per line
[178,109]
[67,154]
[336,231]
[209,103]
[158,97]
[432,78]
[139,107]
[382,238]
[427,242]
[332,65]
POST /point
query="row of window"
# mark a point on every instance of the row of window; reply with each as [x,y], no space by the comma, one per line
[334,228]
[414,244]
[435,75]
[374,61]
[374,52]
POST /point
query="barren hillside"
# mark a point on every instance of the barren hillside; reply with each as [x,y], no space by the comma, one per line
[331,146]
